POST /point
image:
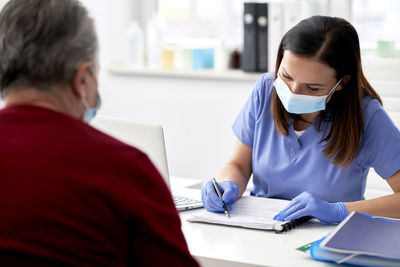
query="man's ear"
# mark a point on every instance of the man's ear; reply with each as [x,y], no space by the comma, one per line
[79,81]
[344,81]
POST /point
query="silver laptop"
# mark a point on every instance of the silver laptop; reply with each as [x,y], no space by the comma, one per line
[149,139]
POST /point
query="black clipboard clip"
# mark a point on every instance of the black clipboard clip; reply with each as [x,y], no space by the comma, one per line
[285,227]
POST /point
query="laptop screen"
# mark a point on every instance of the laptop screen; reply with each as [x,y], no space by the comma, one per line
[146,137]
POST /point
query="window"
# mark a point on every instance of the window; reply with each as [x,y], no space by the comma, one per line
[377,23]
[203,19]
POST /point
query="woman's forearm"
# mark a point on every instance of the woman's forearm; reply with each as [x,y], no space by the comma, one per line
[232,172]
[386,206]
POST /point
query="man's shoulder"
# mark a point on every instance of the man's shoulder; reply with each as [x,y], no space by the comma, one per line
[68,134]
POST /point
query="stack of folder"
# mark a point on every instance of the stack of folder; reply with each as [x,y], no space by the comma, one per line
[255,43]
[362,240]
[264,24]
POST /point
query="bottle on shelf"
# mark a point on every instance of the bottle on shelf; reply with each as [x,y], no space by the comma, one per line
[234,61]
[155,31]
[135,45]
[221,56]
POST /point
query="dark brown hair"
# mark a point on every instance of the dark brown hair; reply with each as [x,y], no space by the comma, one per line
[333,41]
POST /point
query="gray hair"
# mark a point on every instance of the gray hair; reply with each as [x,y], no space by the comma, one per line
[42,43]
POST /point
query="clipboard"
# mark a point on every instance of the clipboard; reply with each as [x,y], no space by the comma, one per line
[253,213]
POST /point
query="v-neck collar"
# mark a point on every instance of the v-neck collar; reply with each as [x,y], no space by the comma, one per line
[309,137]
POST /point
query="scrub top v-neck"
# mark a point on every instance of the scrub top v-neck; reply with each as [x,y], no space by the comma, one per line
[286,166]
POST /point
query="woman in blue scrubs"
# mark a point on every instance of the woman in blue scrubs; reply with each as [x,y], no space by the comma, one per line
[311,131]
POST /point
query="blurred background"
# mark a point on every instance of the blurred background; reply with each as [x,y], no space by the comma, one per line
[179,63]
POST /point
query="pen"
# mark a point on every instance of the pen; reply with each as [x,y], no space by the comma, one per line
[220,196]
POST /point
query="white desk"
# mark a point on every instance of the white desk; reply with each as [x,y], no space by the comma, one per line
[216,245]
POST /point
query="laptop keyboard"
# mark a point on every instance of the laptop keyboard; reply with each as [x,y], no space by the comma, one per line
[180,201]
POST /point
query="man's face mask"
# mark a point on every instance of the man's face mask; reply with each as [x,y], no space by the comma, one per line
[301,104]
[90,113]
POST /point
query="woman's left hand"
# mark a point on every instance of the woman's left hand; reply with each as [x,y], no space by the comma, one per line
[306,204]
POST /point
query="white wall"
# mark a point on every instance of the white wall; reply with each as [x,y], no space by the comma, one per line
[196,114]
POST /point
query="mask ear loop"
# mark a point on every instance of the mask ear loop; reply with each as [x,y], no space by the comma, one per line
[332,91]
[97,86]
[84,101]
[85,104]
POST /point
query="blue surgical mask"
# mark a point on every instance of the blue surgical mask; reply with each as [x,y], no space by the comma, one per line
[90,113]
[301,104]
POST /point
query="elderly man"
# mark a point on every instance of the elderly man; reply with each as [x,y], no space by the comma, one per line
[69,194]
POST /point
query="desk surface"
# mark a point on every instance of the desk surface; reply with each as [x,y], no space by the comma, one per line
[217,245]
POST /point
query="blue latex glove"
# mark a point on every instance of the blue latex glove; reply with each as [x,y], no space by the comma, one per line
[306,204]
[212,202]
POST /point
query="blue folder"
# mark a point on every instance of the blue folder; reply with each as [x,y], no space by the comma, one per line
[321,254]
[361,240]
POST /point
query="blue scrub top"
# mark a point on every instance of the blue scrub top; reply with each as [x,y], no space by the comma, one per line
[284,166]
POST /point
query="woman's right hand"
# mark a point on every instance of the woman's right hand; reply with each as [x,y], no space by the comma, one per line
[212,202]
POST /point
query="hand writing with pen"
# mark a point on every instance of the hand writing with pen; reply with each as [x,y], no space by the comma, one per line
[212,202]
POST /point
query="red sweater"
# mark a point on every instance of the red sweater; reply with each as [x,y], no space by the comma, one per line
[70,194]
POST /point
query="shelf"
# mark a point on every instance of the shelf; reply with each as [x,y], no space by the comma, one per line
[231,75]
[376,68]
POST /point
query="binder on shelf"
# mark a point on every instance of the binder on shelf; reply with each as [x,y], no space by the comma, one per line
[264,25]
[250,33]
[262,45]
[255,43]
[361,240]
